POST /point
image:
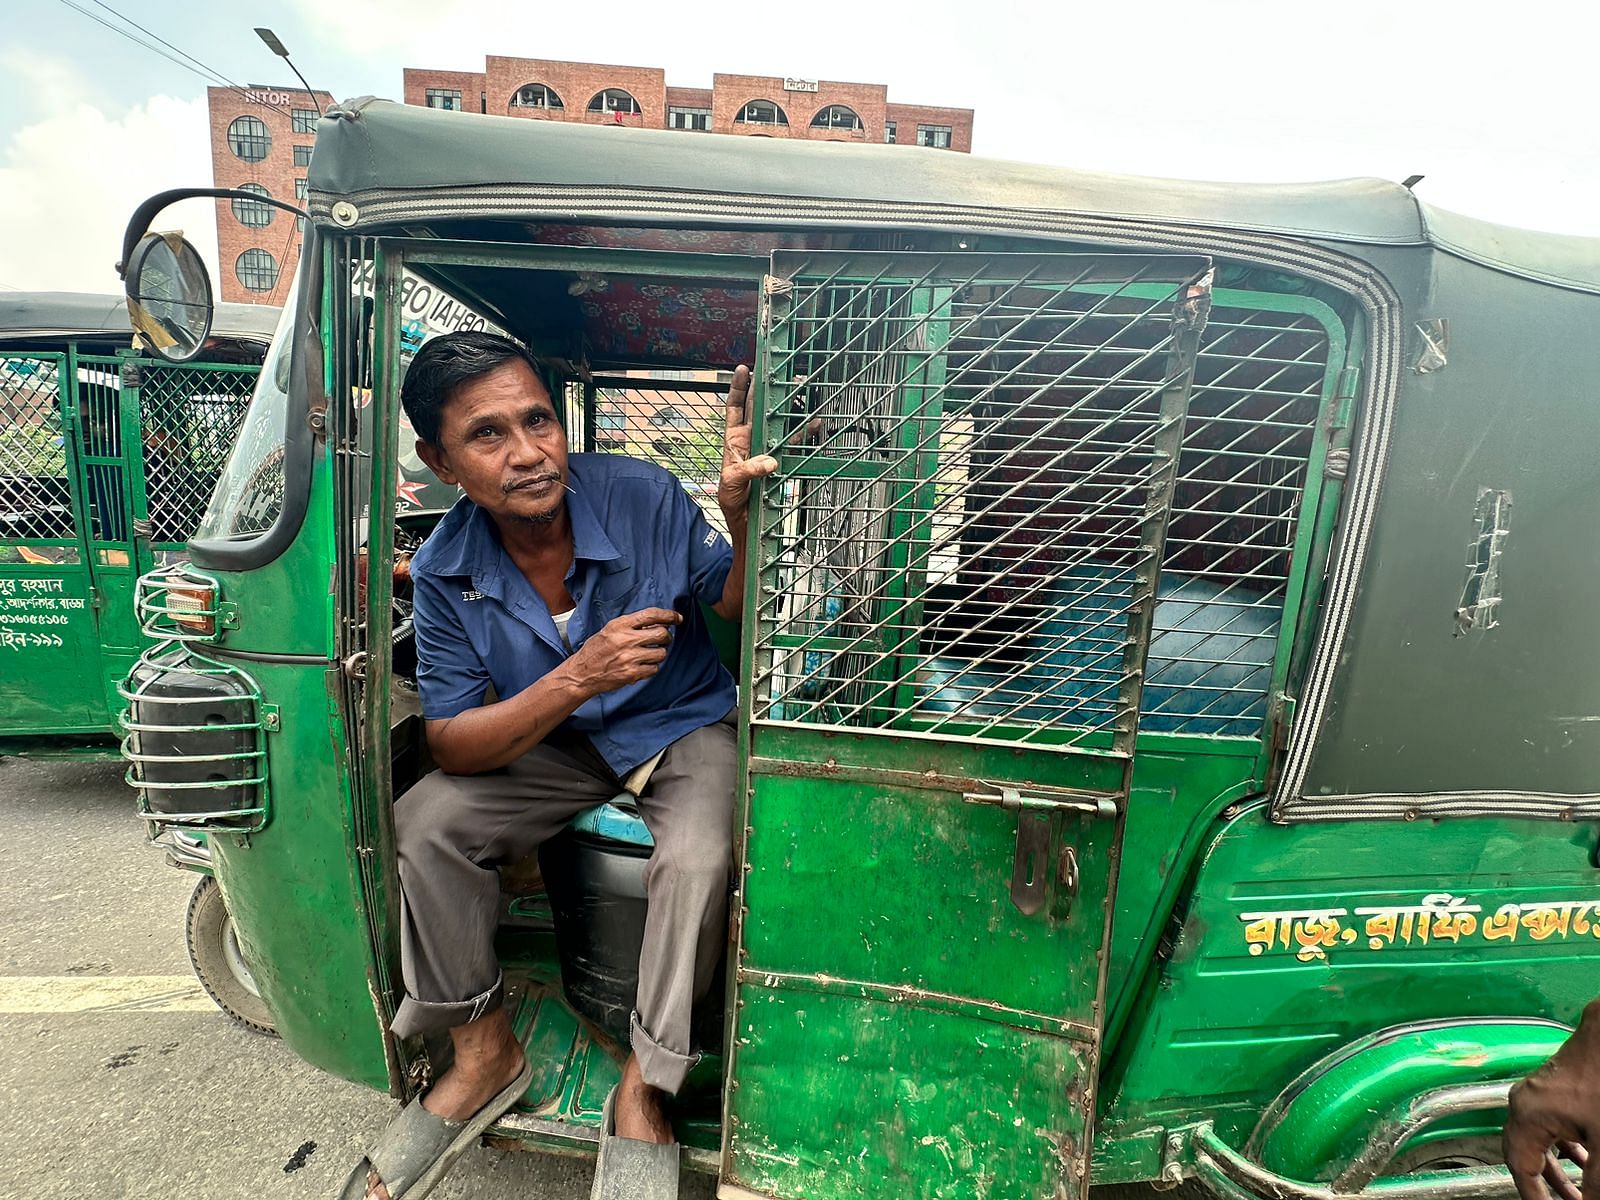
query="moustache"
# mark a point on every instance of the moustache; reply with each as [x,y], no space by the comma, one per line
[529,481]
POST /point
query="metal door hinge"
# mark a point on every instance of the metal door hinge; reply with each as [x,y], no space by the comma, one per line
[1345,388]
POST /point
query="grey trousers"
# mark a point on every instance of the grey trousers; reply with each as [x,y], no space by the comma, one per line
[454,832]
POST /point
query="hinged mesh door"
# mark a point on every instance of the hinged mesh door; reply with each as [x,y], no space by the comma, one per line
[977,455]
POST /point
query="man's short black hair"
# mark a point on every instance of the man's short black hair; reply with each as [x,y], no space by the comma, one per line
[444,364]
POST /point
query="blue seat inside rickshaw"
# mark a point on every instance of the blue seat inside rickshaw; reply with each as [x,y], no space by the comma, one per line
[617,820]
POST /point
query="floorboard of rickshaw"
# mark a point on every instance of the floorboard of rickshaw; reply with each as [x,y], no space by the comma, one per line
[576,1065]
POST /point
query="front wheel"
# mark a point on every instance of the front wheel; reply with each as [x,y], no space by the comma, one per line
[219,965]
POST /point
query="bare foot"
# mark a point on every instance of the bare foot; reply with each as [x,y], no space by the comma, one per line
[639,1111]
[488,1058]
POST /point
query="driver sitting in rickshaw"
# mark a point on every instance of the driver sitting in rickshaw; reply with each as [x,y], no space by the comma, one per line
[571,585]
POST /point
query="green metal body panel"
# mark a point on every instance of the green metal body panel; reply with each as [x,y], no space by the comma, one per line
[1326,1116]
[294,889]
[1226,1029]
[293,897]
[987,1017]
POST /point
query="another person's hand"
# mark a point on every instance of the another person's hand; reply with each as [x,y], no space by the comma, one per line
[738,467]
[626,650]
[1558,1108]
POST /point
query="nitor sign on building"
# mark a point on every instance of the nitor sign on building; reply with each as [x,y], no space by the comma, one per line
[800,85]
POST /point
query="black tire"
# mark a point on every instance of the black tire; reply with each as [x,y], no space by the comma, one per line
[214,954]
[1472,1150]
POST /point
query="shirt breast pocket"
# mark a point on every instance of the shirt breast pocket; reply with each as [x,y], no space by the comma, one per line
[625,592]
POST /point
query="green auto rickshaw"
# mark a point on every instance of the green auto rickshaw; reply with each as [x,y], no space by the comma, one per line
[108,455]
[1168,733]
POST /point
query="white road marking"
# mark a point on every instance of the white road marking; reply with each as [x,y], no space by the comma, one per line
[102,993]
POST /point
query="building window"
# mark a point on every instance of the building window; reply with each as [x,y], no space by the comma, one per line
[302,156]
[304,120]
[299,189]
[536,95]
[888,132]
[257,270]
[249,139]
[669,417]
[837,116]
[448,99]
[761,112]
[614,100]
[689,118]
[252,212]
[934,135]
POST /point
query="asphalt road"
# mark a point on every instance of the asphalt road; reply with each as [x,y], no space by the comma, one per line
[167,1099]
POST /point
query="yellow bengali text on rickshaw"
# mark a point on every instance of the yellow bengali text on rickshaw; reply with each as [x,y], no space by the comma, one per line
[1310,933]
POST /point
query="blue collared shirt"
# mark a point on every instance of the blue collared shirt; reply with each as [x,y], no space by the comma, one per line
[639,541]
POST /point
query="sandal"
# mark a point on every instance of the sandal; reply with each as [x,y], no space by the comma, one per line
[414,1152]
[632,1170]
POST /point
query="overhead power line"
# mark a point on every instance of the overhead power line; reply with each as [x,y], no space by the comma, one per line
[151,33]
[210,74]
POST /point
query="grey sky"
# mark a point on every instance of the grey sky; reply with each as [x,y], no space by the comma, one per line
[1494,103]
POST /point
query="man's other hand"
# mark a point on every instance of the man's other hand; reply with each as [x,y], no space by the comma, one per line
[630,648]
[738,467]
[1558,1108]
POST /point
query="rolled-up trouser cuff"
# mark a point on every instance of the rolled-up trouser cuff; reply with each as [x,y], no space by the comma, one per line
[417,1017]
[661,1068]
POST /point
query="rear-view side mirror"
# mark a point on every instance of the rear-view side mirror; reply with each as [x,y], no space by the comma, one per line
[169,296]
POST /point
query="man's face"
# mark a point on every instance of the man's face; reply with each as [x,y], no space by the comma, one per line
[500,441]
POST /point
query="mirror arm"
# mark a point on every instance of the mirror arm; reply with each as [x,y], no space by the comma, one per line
[139,223]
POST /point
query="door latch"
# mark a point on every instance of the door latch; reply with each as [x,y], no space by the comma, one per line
[1030,869]
[1032,865]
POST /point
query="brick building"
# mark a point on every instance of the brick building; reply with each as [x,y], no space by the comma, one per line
[751,105]
[261,139]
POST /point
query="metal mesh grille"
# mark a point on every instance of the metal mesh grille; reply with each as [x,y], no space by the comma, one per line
[676,425]
[35,497]
[191,418]
[1258,387]
[101,449]
[975,476]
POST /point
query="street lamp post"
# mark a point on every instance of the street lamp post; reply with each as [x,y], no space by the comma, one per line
[278,48]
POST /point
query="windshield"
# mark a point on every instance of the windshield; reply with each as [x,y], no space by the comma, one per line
[249,495]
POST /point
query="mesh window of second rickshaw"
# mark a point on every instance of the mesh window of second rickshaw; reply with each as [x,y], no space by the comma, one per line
[1263,375]
[35,496]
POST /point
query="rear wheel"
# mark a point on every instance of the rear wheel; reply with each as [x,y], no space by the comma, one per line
[219,965]
[1448,1154]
